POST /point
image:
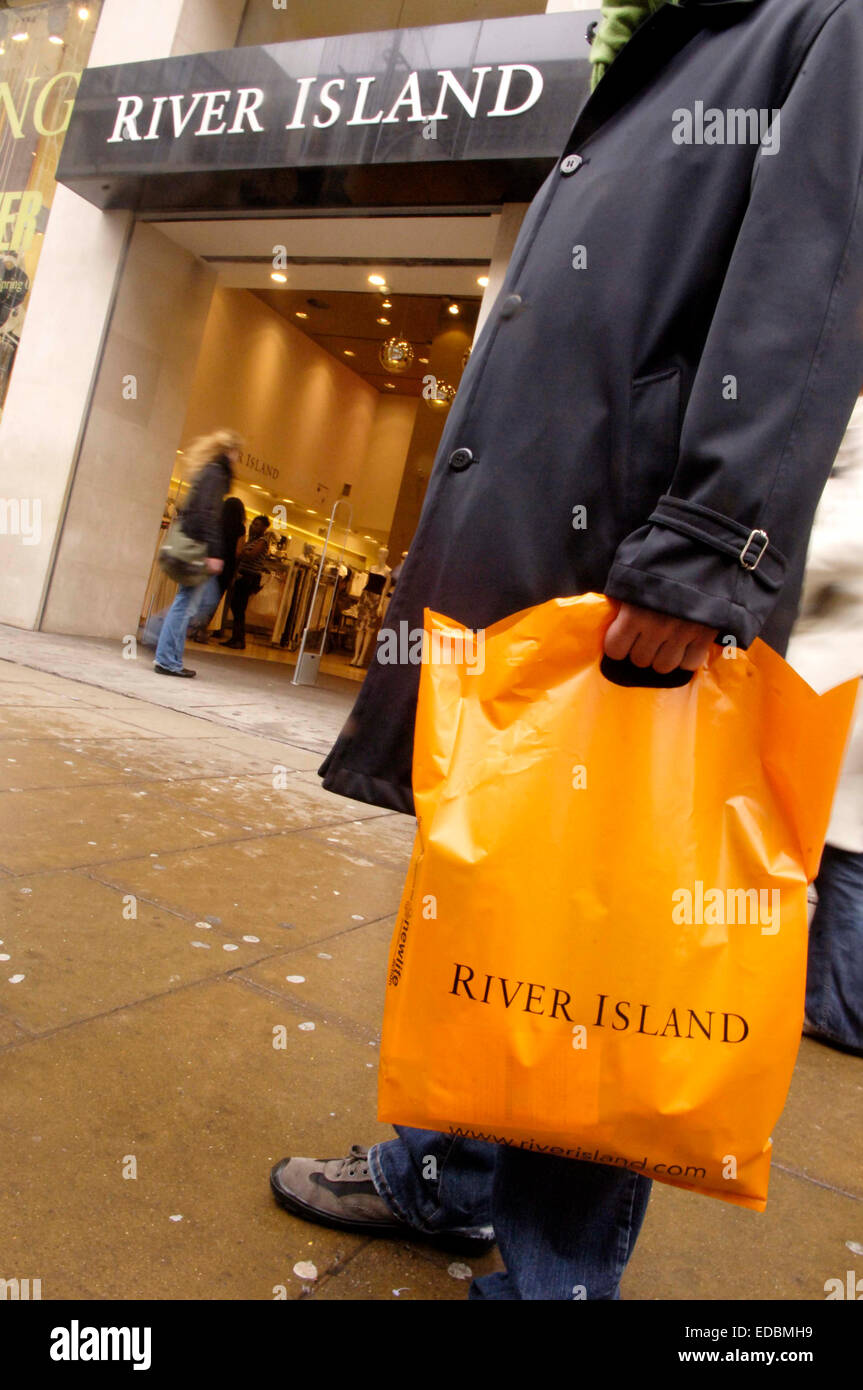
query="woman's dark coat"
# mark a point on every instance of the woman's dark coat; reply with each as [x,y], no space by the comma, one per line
[689,383]
[201,516]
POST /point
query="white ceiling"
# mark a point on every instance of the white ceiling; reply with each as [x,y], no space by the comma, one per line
[337,240]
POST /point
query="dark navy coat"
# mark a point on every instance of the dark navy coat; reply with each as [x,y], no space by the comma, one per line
[676,348]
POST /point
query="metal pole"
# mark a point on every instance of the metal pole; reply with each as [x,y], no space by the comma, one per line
[308,663]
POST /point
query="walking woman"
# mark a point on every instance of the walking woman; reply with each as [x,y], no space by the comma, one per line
[220,585]
[215,457]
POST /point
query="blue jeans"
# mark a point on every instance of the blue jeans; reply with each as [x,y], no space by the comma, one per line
[211,593]
[834,980]
[565,1229]
[172,638]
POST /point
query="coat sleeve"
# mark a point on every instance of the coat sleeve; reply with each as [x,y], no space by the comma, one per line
[781,366]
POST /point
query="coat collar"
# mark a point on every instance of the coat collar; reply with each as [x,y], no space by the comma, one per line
[648,50]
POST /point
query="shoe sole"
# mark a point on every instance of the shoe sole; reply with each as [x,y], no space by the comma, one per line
[457,1245]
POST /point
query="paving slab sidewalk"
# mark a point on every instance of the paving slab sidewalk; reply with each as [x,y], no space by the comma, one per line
[167,914]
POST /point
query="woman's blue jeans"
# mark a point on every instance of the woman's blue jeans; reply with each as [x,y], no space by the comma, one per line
[172,638]
[565,1229]
[834,981]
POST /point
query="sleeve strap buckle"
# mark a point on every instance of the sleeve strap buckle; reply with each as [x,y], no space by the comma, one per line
[747,558]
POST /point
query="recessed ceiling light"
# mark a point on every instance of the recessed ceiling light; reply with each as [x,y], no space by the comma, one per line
[389,385]
[349,352]
[387,304]
[377,280]
[482,280]
[54,38]
[383,320]
[289,500]
[301,314]
[423,360]
[83,12]
[311,511]
[278,277]
[454,309]
[257,487]
[19,38]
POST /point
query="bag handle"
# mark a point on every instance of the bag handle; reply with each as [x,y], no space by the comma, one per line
[626,673]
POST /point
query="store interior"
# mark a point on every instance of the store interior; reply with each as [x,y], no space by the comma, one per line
[334,347]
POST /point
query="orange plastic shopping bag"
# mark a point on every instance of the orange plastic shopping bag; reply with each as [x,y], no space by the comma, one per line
[601,948]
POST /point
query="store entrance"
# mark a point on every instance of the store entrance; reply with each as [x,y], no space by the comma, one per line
[333,347]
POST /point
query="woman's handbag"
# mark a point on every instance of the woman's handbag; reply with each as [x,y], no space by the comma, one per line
[183,559]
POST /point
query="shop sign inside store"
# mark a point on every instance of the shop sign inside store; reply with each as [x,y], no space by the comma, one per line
[259,466]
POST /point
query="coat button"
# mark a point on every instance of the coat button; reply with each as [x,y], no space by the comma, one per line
[570,164]
[460,458]
[510,305]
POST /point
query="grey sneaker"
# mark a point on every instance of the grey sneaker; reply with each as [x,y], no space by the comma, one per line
[339,1192]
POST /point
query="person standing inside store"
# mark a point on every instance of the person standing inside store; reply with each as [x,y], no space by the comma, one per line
[370,609]
[250,568]
[650,412]
[219,585]
[214,457]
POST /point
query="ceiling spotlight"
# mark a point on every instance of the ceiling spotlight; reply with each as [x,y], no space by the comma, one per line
[300,314]
[383,320]
[377,280]
[83,12]
[310,511]
[390,385]
[482,280]
[387,304]
[349,352]
[278,277]
[54,38]
[19,38]
[424,361]
[454,309]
